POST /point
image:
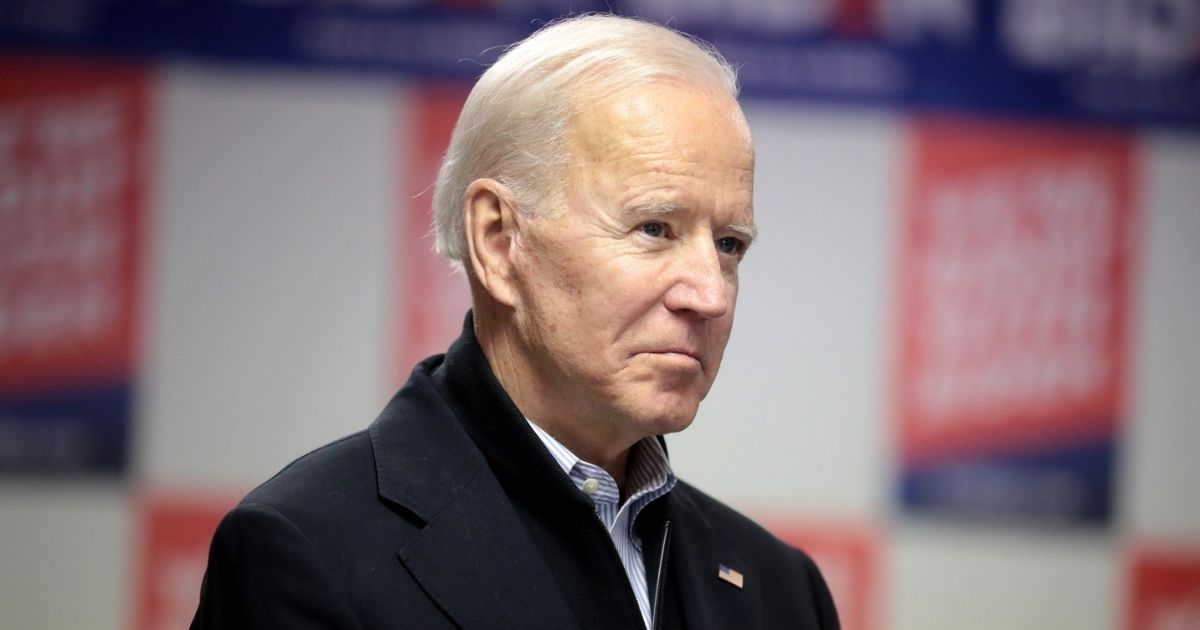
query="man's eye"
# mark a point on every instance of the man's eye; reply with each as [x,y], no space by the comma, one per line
[729,245]
[653,229]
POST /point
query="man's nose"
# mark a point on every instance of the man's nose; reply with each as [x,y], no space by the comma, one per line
[700,284]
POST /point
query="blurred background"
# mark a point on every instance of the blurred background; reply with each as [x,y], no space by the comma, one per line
[966,368]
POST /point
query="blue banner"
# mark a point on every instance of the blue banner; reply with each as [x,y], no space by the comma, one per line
[1055,486]
[68,432]
[1121,61]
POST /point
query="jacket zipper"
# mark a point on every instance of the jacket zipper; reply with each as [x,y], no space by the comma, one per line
[661,579]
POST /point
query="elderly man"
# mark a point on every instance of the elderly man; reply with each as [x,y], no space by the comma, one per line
[597,193]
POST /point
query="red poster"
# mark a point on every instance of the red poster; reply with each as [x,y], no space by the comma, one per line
[1164,588]
[72,187]
[71,194]
[174,534]
[432,300]
[1015,289]
[848,556]
[1017,248]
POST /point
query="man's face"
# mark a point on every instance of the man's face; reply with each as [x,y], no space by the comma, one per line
[627,295]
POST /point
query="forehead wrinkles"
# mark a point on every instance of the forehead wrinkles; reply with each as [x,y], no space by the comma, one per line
[606,134]
[668,130]
[665,115]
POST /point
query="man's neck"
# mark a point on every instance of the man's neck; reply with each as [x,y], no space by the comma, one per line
[615,466]
[538,399]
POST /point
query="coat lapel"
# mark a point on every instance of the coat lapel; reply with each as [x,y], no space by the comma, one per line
[473,556]
[477,562]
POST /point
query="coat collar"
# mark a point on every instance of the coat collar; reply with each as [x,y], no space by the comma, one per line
[472,556]
[499,430]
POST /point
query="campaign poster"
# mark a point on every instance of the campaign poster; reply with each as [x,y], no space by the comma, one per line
[174,532]
[72,195]
[1164,589]
[433,299]
[848,556]
[1017,251]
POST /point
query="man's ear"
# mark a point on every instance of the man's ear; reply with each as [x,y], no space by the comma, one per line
[490,222]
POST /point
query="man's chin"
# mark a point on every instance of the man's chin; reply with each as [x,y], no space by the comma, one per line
[668,418]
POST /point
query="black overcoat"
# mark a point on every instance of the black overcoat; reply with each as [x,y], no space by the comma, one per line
[447,512]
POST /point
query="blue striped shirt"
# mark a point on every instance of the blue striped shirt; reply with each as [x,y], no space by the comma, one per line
[648,476]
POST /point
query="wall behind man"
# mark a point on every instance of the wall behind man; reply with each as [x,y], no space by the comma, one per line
[281,271]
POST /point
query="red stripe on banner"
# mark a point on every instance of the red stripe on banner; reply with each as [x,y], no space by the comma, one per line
[174,532]
[73,141]
[1164,589]
[856,18]
[1017,244]
[848,556]
[432,301]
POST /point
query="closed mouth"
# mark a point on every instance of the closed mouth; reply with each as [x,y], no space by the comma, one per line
[679,352]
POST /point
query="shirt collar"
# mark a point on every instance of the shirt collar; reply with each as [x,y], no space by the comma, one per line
[648,472]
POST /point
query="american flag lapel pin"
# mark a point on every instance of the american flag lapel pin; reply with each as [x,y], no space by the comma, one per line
[733,576]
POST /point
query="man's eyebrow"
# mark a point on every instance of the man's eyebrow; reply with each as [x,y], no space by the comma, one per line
[655,208]
[749,230]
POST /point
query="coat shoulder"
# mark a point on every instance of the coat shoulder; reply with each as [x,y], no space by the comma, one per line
[340,472]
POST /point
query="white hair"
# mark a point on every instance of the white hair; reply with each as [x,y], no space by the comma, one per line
[513,125]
